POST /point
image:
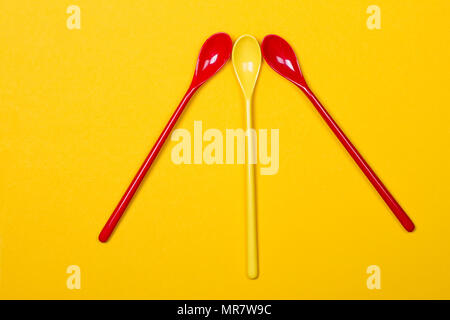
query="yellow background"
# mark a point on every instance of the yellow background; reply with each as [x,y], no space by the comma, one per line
[80,109]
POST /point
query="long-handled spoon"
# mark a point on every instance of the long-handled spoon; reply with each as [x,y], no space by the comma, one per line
[246,59]
[281,58]
[214,53]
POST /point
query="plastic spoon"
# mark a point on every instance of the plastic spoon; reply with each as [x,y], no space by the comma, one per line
[281,58]
[246,59]
[214,53]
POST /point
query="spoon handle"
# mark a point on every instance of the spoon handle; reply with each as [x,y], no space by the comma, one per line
[370,174]
[252,237]
[134,185]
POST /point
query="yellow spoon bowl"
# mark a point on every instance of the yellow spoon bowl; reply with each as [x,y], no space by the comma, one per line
[246,57]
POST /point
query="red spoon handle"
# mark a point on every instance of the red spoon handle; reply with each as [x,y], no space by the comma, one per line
[123,203]
[373,178]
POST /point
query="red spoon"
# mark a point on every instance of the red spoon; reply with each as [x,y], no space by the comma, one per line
[214,53]
[281,58]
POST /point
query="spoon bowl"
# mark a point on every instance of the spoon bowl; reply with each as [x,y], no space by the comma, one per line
[214,53]
[281,58]
[246,58]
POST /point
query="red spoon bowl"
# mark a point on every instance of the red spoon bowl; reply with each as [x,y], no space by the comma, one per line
[280,56]
[214,53]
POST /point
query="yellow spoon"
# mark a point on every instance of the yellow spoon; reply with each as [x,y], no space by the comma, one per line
[246,57]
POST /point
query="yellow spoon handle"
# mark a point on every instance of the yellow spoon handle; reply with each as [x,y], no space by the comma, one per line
[252,237]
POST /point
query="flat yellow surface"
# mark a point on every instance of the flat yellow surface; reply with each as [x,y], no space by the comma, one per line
[80,109]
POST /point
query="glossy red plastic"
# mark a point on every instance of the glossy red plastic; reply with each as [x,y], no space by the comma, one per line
[214,53]
[281,57]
